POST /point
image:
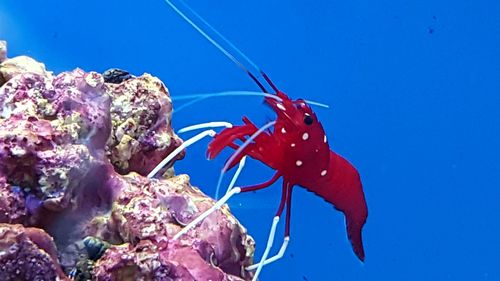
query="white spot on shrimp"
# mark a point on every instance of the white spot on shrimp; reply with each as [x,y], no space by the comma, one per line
[283,130]
[292,145]
[324,139]
[305,136]
[280,106]
[323,173]
[298,163]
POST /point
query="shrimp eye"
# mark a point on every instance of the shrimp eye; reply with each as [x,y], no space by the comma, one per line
[308,120]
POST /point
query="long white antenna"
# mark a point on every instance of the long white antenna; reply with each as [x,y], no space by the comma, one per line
[213,42]
[228,42]
[245,57]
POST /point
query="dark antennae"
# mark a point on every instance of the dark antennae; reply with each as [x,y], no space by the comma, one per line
[262,88]
[269,81]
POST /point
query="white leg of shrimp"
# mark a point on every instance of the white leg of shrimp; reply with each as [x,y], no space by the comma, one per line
[237,174]
[214,208]
[278,256]
[189,142]
[232,191]
[270,242]
[233,180]
[179,149]
[286,200]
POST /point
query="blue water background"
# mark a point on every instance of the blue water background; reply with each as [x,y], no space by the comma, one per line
[414,91]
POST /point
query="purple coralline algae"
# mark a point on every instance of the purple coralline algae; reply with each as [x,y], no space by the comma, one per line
[154,210]
[142,136]
[149,261]
[27,254]
[12,203]
[74,151]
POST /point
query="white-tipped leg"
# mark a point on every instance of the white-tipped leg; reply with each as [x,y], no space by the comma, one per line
[237,173]
[179,149]
[240,150]
[233,180]
[201,217]
[278,256]
[270,241]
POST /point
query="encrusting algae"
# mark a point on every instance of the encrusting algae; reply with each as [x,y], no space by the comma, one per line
[74,151]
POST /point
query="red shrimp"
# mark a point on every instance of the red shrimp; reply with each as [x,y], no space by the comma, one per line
[297,149]
[299,152]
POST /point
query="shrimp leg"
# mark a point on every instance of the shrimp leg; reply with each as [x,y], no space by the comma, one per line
[189,142]
[222,201]
[286,199]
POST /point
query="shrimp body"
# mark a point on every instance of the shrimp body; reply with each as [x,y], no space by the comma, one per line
[298,150]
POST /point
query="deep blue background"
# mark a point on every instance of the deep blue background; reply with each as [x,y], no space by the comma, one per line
[414,90]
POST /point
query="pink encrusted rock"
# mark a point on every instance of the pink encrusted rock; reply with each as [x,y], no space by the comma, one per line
[74,102]
[142,135]
[141,262]
[81,102]
[149,261]
[154,210]
[20,141]
[12,203]
[74,150]
[131,120]
[27,254]
[31,159]
[28,94]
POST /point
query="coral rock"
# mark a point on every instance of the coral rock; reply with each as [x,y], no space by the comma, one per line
[9,68]
[74,102]
[12,203]
[142,135]
[154,210]
[74,149]
[148,261]
[57,177]
[27,254]
[28,94]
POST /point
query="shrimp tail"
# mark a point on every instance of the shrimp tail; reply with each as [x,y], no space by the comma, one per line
[342,187]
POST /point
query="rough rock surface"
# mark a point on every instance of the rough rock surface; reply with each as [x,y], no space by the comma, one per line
[54,175]
[131,120]
[27,254]
[149,261]
[12,203]
[74,150]
[154,210]
[142,134]
[21,64]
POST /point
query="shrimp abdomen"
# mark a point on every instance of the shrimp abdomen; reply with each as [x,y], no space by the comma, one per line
[342,187]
